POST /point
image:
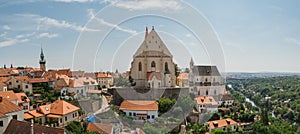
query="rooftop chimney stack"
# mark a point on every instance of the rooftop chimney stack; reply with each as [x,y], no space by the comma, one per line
[146,35]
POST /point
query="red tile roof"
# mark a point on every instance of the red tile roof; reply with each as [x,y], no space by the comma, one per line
[100,128]
[220,123]
[22,78]
[7,107]
[139,105]
[38,80]
[22,97]
[35,113]
[152,74]
[9,95]
[22,127]
[183,76]
[103,75]
[62,107]
[205,100]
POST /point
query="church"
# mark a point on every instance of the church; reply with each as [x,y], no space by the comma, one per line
[152,65]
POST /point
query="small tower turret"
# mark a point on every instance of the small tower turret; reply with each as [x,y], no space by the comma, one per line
[42,61]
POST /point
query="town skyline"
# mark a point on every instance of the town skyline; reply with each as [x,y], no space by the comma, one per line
[25,30]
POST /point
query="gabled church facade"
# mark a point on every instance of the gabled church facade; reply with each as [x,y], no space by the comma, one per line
[152,65]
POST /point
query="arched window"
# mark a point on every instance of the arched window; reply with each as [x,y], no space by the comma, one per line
[205,79]
[215,92]
[152,64]
[206,92]
[140,66]
[166,66]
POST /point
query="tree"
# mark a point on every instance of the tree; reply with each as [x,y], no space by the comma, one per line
[165,104]
[149,129]
[264,117]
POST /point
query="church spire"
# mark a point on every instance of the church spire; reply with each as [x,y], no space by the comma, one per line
[42,61]
[146,35]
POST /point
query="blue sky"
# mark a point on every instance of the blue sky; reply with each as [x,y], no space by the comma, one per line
[254,35]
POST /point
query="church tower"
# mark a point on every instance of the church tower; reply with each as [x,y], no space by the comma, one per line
[42,61]
[152,65]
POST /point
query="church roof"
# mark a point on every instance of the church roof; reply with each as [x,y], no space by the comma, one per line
[150,75]
[206,71]
[153,42]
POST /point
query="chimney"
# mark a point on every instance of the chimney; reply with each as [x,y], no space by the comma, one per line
[4,66]
[31,126]
[0,99]
[227,121]
[146,35]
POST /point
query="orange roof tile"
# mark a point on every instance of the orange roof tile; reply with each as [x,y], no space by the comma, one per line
[205,100]
[38,80]
[7,107]
[9,95]
[2,115]
[3,73]
[62,107]
[35,113]
[27,116]
[100,128]
[22,97]
[94,91]
[63,71]
[183,76]
[220,123]
[4,79]
[139,105]
[54,116]
[45,109]
[103,75]
[152,74]
[22,78]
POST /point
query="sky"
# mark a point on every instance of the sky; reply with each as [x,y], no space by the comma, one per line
[103,35]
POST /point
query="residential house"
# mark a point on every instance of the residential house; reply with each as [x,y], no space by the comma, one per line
[223,124]
[3,73]
[104,79]
[10,95]
[82,85]
[19,82]
[58,113]
[3,85]
[9,111]
[18,127]
[225,100]
[206,104]
[140,109]
[100,128]
[183,80]
[23,101]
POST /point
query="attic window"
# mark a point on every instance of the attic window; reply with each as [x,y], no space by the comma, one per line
[68,107]
[47,109]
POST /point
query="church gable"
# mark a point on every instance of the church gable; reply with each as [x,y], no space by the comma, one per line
[152,42]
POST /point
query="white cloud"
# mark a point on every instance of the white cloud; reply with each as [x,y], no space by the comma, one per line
[148,4]
[47,35]
[292,40]
[46,22]
[79,1]
[3,34]
[6,27]
[91,14]
[9,42]
[188,35]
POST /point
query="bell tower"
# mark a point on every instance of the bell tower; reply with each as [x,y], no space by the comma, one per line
[42,61]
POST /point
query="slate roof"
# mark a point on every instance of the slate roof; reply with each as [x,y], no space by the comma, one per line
[206,71]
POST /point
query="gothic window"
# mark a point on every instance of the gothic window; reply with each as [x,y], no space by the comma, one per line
[152,64]
[166,66]
[205,79]
[140,66]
